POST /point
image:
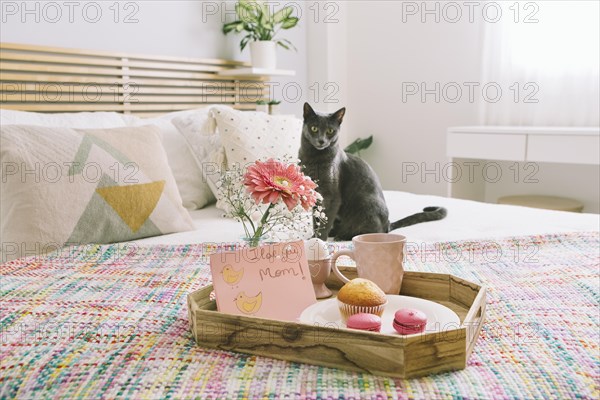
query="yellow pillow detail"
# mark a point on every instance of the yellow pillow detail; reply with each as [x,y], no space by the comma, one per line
[133,203]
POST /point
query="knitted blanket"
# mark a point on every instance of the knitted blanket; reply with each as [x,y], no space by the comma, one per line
[111,321]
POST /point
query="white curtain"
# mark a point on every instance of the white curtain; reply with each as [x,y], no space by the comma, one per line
[544,58]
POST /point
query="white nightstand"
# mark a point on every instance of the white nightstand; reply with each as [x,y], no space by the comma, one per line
[470,147]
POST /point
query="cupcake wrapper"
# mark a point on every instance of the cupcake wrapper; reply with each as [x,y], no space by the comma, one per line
[346,310]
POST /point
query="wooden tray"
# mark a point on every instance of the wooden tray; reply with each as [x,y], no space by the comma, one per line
[389,355]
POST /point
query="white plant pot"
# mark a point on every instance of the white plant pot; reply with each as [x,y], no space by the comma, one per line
[274,109]
[262,108]
[262,54]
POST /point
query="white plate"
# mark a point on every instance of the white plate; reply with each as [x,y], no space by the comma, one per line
[439,318]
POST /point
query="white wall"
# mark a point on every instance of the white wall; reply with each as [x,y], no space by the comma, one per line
[177,28]
[388,47]
[327,34]
[386,57]
[380,55]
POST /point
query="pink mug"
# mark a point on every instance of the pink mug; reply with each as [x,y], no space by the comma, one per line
[379,257]
[319,272]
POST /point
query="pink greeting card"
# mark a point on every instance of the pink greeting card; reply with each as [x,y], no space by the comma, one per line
[271,281]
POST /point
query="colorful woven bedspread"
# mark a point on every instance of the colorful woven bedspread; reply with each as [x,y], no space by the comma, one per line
[111,321]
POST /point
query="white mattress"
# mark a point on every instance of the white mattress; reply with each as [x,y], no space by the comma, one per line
[465,220]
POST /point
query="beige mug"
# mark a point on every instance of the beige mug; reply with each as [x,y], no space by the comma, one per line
[379,257]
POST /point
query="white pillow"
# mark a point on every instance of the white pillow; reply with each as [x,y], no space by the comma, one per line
[194,191]
[247,136]
[205,144]
[75,186]
[81,120]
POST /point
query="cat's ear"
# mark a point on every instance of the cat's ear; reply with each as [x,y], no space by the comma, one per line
[339,115]
[308,111]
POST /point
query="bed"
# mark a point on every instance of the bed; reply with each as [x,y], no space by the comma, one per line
[468,220]
[106,321]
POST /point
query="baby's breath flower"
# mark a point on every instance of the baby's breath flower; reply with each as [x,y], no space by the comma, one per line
[285,213]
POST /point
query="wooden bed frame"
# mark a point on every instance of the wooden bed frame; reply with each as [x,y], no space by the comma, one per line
[54,79]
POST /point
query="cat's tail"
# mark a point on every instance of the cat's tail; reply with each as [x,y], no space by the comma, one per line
[428,214]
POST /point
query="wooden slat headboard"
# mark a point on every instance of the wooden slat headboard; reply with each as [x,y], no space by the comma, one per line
[51,79]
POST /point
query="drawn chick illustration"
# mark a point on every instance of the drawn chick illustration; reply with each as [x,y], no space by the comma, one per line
[247,304]
[232,276]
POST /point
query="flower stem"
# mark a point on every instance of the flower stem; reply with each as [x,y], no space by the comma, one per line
[259,232]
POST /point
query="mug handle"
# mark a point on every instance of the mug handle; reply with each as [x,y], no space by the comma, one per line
[336,271]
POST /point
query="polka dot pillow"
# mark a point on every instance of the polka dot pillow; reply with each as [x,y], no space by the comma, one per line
[247,136]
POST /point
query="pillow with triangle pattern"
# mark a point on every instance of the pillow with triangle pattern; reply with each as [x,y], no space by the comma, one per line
[66,187]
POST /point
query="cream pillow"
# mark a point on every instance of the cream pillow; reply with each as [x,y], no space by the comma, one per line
[247,136]
[63,186]
[81,120]
[194,190]
[206,147]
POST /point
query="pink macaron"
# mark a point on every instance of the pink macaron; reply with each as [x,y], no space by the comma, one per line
[364,322]
[409,321]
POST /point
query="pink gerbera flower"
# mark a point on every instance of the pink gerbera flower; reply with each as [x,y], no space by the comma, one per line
[269,181]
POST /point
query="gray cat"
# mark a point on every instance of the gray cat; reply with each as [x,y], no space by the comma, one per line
[352,195]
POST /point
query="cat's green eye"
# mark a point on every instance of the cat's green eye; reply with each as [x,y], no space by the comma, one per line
[314,129]
[329,132]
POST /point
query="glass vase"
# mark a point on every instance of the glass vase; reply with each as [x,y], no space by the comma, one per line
[254,241]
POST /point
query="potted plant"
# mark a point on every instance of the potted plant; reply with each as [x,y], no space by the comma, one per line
[261,26]
[358,145]
[262,106]
[274,107]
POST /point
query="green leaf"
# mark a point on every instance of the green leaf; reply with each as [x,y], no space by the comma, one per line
[286,44]
[289,23]
[358,145]
[233,26]
[264,33]
[280,43]
[265,9]
[250,4]
[251,29]
[245,41]
[282,15]
[247,12]
[264,18]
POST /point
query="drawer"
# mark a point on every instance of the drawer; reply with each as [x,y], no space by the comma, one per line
[487,146]
[564,149]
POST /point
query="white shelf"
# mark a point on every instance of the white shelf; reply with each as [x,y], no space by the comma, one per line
[527,145]
[526,130]
[250,71]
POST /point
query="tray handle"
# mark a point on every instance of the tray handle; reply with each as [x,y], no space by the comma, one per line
[473,322]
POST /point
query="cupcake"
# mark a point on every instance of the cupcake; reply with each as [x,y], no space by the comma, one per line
[361,296]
